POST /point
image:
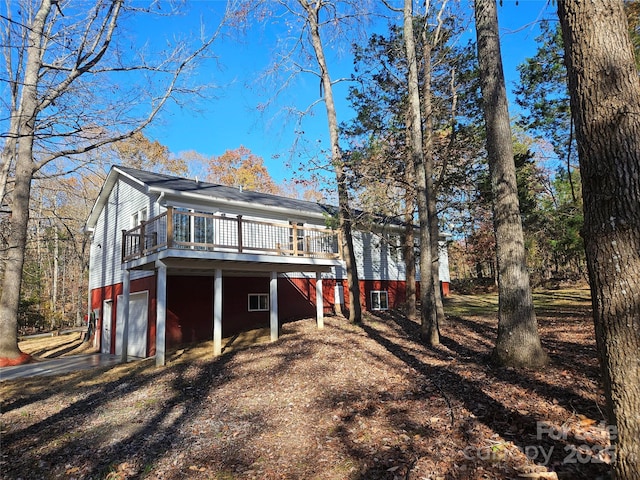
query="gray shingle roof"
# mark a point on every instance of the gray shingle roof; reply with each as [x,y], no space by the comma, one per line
[184,185]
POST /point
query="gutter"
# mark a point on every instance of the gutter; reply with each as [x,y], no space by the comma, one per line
[236,203]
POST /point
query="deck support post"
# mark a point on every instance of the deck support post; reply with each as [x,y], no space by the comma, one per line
[217,312]
[126,287]
[161,313]
[319,302]
[273,304]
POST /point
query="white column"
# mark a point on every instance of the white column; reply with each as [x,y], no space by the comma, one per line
[95,340]
[217,312]
[126,286]
[273,304]
[319,301]
[161,313]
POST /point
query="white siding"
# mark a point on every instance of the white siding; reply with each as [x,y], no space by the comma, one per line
[444,262]
[375,257]
[248,213]
[379,257]
[125,199]
[377,260]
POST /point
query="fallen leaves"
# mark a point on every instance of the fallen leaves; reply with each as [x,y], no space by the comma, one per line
[197,469]
[340,403]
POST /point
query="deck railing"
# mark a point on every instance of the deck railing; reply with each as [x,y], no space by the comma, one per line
[182,229]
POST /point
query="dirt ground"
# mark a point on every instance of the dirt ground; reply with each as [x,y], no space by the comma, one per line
[346,402]
[57,345]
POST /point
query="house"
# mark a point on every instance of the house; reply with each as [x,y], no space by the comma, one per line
[175,260]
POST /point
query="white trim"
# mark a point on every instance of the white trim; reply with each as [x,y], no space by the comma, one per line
[253,261]
[103,196]
[236,203]
[379,294]
[161,313]
[259,297]
[273,309]
[217,312]
[126,288]
[319,302]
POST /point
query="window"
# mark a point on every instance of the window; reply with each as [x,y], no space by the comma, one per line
[258,302]
[138,217]
[181,225]
[296,238]
[379,300]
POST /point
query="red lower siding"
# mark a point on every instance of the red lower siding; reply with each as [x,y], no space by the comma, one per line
[111,292]
[189,309]
[236,316]
[299,298]
[190,303]
[396,292]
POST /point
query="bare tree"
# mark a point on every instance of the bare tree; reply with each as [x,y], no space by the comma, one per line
[312,10]
[518,342]
[604,88]
[429,321]
[73,87]
[318,22]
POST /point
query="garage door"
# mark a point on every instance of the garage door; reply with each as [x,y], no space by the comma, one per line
[138,315]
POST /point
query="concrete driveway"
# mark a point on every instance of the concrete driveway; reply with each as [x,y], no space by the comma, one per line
[58,366]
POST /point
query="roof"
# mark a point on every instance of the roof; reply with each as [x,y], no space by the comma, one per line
[190,188]
[195,189]
[161,182]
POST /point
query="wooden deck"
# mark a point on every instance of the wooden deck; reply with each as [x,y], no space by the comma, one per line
[203,232]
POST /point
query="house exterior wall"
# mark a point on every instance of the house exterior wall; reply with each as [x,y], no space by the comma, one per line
[105,266]
[379,257]
[190,305]
[110,293]
[190,299]
[247,212]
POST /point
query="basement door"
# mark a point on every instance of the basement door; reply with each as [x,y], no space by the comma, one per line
[106,326]
[137,334]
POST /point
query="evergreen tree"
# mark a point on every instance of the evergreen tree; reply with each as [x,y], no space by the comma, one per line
[543,93]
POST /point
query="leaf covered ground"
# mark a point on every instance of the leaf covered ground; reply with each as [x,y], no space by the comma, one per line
[346,402]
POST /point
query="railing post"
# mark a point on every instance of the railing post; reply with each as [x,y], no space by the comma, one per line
[124,244]
[142,238]
[294,237]
[239,233]
[169,227]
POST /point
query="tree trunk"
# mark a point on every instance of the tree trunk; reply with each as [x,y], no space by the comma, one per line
[409,256]
[8,154]
[345,217]
[605,101]
[411,306]
[518,343]
[54,288]
[18,223]
[17,239]
[429,174]
[429,322]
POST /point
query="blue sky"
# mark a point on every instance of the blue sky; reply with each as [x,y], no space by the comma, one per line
[232,118]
